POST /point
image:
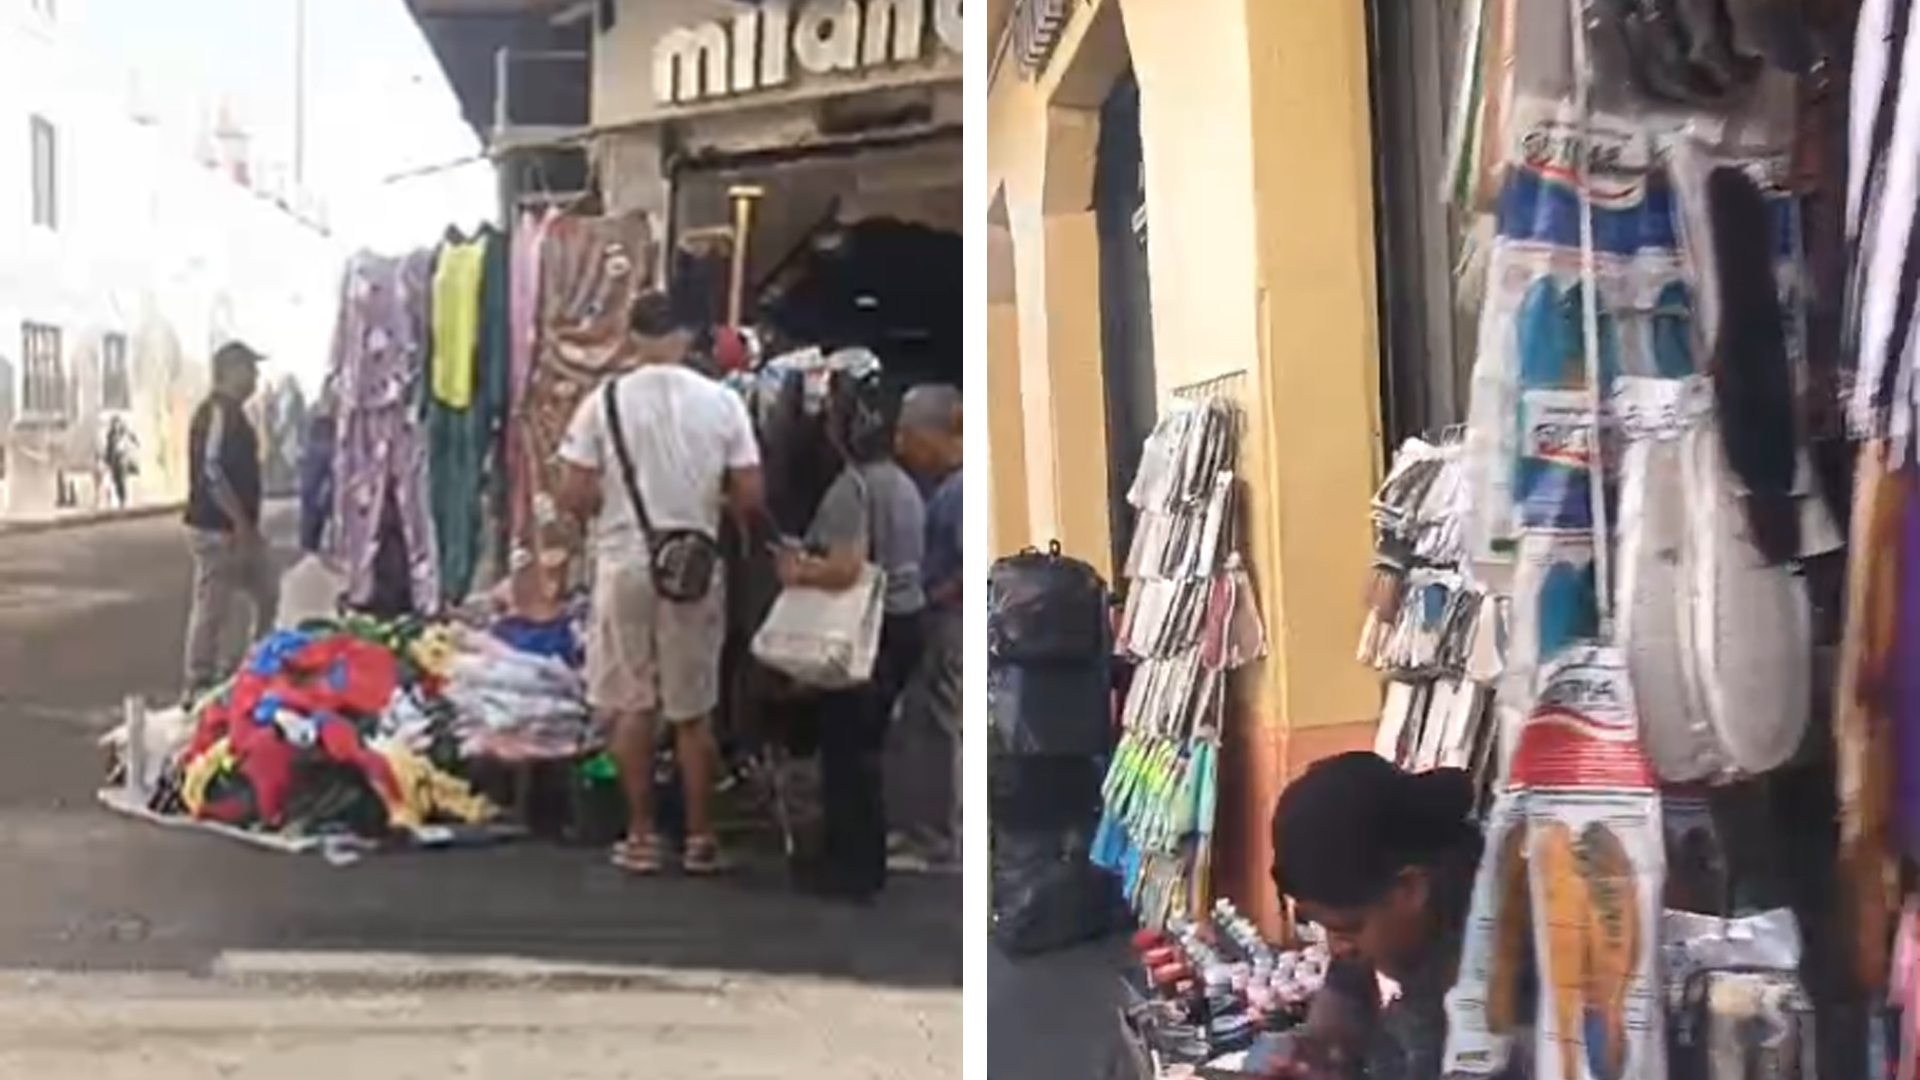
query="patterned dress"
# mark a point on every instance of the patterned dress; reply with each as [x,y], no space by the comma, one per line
[591,272]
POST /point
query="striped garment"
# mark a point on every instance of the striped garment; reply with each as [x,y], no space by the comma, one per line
[1883,195]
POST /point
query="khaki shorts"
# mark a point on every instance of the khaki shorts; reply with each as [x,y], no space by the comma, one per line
[645,654]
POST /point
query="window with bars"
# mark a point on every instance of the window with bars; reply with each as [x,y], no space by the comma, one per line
[43,372]
[116,384]
[46,173]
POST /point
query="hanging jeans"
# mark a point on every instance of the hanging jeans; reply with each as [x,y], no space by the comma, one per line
[381,454]
[853,738]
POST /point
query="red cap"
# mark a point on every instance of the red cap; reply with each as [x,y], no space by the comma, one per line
[729,349]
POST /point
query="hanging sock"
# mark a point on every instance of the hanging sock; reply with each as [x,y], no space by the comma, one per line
[1569,610]
[1673,332]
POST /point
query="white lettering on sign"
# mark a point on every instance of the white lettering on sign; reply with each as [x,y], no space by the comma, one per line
[758,49]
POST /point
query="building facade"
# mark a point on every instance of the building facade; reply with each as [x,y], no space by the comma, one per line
[136,235]
[833,113]
[1182,201]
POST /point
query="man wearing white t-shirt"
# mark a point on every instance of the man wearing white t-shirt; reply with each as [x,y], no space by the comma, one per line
[693,454]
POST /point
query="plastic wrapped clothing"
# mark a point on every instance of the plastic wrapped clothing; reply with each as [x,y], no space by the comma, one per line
[1047,895]
[1052,709]
[1043,607]
[309,590]
[1031,792]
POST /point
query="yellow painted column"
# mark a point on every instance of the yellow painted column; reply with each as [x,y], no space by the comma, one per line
[1258,174]
[1006,432]
[1317,327]
[1056,274]
[1317,316]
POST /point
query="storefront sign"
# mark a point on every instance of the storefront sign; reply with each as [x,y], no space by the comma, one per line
[760,49]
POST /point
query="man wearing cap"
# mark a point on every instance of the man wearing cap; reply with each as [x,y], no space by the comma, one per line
[658,451]
[223,517]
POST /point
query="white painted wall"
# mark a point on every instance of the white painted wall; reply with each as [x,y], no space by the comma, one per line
[152,243]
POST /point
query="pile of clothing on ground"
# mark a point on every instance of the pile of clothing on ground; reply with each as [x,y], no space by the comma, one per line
[363,728]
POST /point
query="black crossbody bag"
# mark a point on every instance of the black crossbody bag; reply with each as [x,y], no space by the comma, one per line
[682,561]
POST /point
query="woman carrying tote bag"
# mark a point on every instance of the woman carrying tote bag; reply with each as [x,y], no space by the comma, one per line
[871,514]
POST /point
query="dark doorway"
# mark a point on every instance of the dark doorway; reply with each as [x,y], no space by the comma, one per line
[890,286]
[1126,300]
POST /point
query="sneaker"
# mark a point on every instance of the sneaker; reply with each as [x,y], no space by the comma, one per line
[941,859]
[907,862]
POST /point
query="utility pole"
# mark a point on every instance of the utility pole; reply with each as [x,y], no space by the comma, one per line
[300,93]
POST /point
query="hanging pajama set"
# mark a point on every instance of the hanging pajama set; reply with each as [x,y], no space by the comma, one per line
[591,272]
[379,356]
[466,401]
[523,316]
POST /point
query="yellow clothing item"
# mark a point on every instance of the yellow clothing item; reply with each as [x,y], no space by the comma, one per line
[200,773]
[433,651]
[428,794]
[457,278]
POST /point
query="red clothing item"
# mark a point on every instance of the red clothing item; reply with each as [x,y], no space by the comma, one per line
[329,681]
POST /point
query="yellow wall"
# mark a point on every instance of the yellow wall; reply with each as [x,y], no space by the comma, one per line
[1258,187]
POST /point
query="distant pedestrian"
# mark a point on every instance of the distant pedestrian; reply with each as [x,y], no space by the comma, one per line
[928,743]
[223,518]
[119,453]
[316,471]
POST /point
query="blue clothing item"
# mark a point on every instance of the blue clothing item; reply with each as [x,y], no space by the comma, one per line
[941,567]
[554,639]
[316,482]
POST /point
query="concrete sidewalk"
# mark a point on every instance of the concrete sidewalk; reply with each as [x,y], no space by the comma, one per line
[76,517]
[162,1028]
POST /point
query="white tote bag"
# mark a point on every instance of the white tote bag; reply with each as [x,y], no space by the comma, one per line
[822,639]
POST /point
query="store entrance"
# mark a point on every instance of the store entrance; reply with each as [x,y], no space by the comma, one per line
[891,286]
[1126,301]
[847,247]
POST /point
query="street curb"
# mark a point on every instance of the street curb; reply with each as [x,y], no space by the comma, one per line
[29,526]
[391,971]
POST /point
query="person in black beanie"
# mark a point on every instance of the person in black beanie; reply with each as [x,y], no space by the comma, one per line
[1383,860]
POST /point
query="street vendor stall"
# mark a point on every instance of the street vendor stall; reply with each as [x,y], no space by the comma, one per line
[1625,597]
[424,682]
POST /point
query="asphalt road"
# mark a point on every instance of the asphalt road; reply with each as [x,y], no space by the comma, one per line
[90,614]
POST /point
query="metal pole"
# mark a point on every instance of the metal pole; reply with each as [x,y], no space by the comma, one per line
[743,196]
[300,92]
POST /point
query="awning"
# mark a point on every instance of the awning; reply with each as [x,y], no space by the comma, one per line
[467,36]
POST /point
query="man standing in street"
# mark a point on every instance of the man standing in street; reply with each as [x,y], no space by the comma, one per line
[223,518]
[930,446]
[651,457]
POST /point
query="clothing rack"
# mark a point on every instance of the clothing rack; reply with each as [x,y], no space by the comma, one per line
[1191,619]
